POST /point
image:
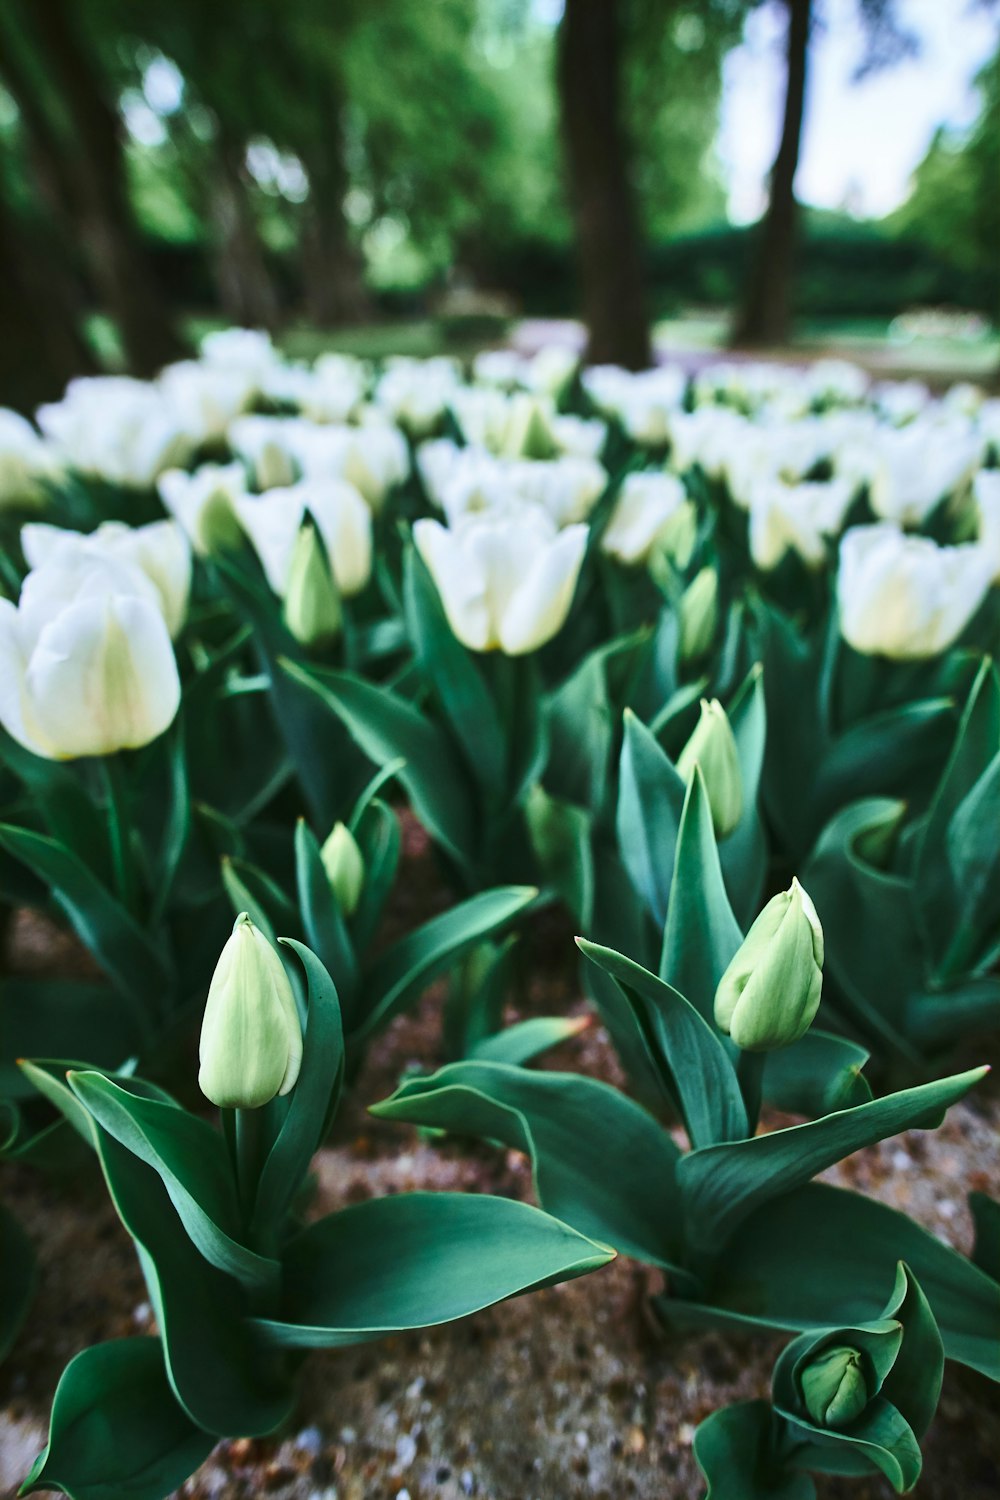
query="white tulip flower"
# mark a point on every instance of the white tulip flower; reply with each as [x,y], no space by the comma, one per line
[86,664]
[796,518]
[272,522]
[416,392]
[160,550]
[643,510]
[506,579]
[204,503]
[264,444]
[911,470]
[117,429]
[986,493]
[206,398]
[904,596]
[247,351]
[25,460]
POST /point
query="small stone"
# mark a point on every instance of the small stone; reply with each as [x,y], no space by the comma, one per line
[309,1440]
[406,1451]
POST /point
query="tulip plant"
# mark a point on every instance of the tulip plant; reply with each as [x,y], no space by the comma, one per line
[241,1285]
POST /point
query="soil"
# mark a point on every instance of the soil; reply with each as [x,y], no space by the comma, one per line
[572,1392]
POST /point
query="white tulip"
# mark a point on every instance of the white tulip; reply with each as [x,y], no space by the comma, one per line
[643,510]
[159,550]
[86,664]
[904,596]
[112,427]
[901,400]
[272,522]
[247,351]
[373,457]
[204,503]
[986,493]
[206,398]
[911,470]
[796,518]
[506,580]
[25,460]
[463,481]
[416,392]
[264,444]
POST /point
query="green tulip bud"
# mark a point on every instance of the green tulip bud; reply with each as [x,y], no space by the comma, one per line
[251,1039]
[345,867]
[768,996]
[678,536]
[712,746]
[834,1387]
[312,606]
[699,614]
[529,434]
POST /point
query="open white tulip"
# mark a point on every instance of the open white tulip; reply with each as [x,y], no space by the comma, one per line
[904,596]
[159,550]
[264,444]
[86,664]
[204,503]
[911,470]
[112,427]
[643,510]
[506,579]
[986,492]
[796,518]
[24,460]
[273,520]
[206,398]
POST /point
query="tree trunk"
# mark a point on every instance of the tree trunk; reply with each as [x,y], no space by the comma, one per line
[766,314]
[609,251]
[333,282]
[92,179]
[246,291]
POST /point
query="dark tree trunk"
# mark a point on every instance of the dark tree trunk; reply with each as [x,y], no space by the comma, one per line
[333,282]
[89,173]
[246,291]
[609,250]
[766,314]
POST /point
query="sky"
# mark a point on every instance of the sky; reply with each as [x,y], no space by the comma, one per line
[861,141]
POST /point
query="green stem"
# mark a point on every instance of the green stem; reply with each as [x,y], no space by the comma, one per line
[249,1146]
[750,1074]
[118,830]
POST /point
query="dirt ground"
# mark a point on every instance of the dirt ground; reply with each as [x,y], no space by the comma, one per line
[569,1393]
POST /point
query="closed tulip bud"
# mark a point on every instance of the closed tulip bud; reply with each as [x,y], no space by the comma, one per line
[312,607]
[679,535]
[769,995]
[835,1387]
[712,746]
[345,867]
[251,1039]
[699,614]
[529,433]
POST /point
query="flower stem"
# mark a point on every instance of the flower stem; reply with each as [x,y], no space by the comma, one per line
[118,830]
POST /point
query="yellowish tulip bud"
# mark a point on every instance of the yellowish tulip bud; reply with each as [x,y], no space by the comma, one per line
[312,606]
[251,1039]
[699,614]
[712,746]
[345,867]
[769,995]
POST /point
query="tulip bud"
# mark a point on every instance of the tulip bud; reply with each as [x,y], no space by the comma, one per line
[345,868]
[768,996]
[699,614]
[834,1387]
[679,535]
[713,748]
[251,1039]
[312,607]
[529,434]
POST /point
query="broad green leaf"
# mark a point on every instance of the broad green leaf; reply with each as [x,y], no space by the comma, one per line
[566,1124]
[743,854]
[701,934]
[418,1260]
[561,837]
[404,970]
[117,1432]
[71,814]
[380,842]
[692,1060]
[735,1453]
[223,1383]
[70,1017]
[986,1217]
[821,1255]
[935,1019]
[18,1278]
[191,1161]
[386,728]
[325,929]
[580,730]
[313,1100]
[650,802]
[820,1073]
[973,855]
[913,1385]
[721,1185]
[131,958]
[883,754]
[524,1040]
[254,891]
[456,679]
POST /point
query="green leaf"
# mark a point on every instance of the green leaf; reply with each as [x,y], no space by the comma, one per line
[721,1185]
[71,815]
[74,1018]
[325,928]
[178,822]
[566,1124]
[561,839]
[524,1040]
[973,854]
[651,798]
[418,1260]
[129,956]
[18,1279]
[314,1098]
[380,841]
[458,684]
[743,855]
[820,1255]
[191,1161]
[406,968]
[986,1217]
[222,1382]
[690,1057]
[387,727]
[820,1073]
[116,1431]
[913,1385]
[883,753]
[735,1453]
[254,891]
[701,934]
[579,724]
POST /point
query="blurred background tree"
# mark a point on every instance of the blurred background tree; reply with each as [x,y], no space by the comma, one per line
[270,162]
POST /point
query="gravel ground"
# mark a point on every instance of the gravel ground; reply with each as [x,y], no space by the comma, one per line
[572,1392]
